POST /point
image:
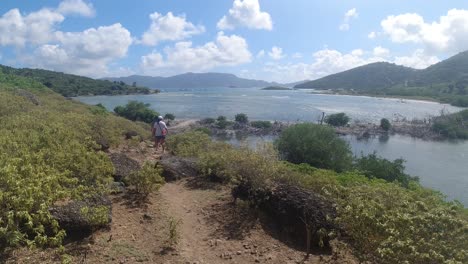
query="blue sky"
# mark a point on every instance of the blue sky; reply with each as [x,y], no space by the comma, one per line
[275,40]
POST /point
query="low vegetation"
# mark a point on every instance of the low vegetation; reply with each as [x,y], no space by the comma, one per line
[384,221]
[137,111]
[261,124]
[385,124]
[453,126]
[241,118]
[316,145]
[337,120]
[47,155]
[146,180]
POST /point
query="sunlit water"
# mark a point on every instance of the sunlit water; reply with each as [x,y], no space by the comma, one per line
[440,165]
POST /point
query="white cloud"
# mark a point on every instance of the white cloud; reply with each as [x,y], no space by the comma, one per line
[261,54]
[85,53]
[225,51]
[418,60]
[325,62]
[246,13]
[350,14]
[36,28]
[297,55]
[381,52]
[276,53]
[448,34]
[77,7]
[169,27]
[372,35]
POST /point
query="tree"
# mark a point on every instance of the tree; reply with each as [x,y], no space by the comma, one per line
[169,116]
[316,145]
[385,124]
[136,111]
[242,118]
[340,119]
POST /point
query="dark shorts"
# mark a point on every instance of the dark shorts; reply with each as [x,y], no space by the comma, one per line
[160,137]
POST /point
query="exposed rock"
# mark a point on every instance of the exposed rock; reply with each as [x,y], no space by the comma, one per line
[72,216]
[131,134]
[102,144]
[175,168]
[123,166]
[293,208]
[28,95]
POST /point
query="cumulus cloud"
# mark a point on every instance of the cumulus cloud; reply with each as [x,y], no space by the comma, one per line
[39,43]
[381,52]
[36,28]
[169,27]
[418,60]
[261,54]
[349,15]
[183,56]
[276,53]
[448,34]
[85,53]
[246,13]
[76,7]
[372,35]
[297,55]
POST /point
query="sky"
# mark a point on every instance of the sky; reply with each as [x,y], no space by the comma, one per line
[273,40]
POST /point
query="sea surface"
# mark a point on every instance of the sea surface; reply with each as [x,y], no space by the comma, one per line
[442,166]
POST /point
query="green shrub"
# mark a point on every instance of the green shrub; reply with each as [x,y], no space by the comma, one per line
[169,116]
[385,124]
[316,145]
[147,180]
[452,125]
[189,144]
[242,118]
[340,119]
[223,124]
[221,118]
[261,124]
[203,130]
[136,111]
[207,121]
[376,167]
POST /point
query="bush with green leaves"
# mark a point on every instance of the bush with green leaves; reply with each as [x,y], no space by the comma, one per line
[385,124]
[169,116]
[146,180]
[339,119]
[208,121]
[261,124]
[47,155]
[241,118]
[137,111]
[376,167]
[452,125]
[316,145]
[221,118]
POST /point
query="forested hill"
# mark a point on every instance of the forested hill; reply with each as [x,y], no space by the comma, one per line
[193,80]
[73,85]
[370,76]
[446,81]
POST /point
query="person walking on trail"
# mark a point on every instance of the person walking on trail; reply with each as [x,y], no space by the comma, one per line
[159,133]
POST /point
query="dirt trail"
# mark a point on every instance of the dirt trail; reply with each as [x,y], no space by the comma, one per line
[214,230]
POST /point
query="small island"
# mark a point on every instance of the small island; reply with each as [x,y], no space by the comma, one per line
[276,88]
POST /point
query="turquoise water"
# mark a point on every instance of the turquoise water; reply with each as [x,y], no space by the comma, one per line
[440,165]
[291,105]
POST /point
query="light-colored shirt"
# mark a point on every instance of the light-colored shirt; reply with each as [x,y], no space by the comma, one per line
[159,127]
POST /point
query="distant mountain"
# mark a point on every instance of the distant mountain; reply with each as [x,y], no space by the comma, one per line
[291,85]
[192,80]
[73,85]
[446,81]
[371,76]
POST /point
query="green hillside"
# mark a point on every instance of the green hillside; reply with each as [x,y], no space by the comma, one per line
[72,85]
[48,153]
[446,81]
[377,75]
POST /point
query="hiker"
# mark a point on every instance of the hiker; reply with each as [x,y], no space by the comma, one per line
[159,133]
